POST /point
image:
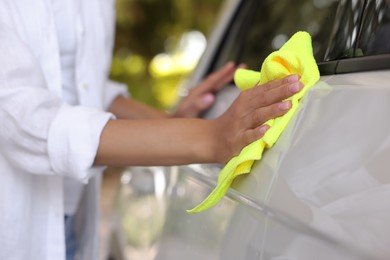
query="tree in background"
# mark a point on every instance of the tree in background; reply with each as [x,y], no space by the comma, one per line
[146,28]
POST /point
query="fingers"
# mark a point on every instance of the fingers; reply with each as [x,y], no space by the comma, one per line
[276,83]
[273,92]
[265,102]
[202,96]
[247,115]
[255,134]
[261,115]
[218,79]
[205,101]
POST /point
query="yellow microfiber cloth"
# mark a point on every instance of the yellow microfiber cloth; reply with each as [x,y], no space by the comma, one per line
[295,57]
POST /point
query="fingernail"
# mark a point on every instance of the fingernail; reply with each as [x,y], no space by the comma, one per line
[208,99]
[284,105]
[242,66]
[263,129]
[295,87]
[292,78]
[230,64]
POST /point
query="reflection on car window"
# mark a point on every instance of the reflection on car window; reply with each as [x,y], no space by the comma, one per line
[375,32]
[343,39]
[262,27]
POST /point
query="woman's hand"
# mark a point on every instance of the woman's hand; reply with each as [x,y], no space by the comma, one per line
[244,121]
[198,100]
[202,97]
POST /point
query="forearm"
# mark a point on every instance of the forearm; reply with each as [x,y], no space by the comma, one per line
[124,108]
[183,141]
[157,142]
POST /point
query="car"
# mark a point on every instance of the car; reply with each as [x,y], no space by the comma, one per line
[322,191]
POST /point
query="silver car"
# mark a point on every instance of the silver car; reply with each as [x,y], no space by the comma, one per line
[323,191]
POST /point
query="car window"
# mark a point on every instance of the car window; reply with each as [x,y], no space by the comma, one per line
[262,27]
[374,35]
[343,38]
[362,46]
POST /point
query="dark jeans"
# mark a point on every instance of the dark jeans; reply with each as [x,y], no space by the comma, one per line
[70,238]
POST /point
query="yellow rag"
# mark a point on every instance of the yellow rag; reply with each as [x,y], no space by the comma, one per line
[295,57]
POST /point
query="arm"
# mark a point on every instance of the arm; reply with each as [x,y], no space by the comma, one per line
[183,141]
[197,101]
[202,97]
[124,108]
[39,133]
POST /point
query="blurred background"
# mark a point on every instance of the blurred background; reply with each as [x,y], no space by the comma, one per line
[158,43]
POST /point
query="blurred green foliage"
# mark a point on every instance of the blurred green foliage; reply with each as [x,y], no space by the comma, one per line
[146,28]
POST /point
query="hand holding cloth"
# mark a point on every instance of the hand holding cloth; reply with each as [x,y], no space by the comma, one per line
[295,57]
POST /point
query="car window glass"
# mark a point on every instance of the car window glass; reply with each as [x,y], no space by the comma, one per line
[374,35]
[262,27]
[344,35]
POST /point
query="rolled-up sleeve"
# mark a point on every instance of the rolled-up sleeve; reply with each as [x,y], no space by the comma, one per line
[39,134]
[73,139]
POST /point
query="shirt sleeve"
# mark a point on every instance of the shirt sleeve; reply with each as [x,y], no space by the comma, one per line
[112,90]
[39,133]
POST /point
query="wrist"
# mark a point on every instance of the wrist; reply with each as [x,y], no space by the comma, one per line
[220,144]
[206,144]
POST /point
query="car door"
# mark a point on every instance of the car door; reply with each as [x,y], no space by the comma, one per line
[325,158]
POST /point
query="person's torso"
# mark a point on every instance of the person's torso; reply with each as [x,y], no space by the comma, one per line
[65,14]
[40,197]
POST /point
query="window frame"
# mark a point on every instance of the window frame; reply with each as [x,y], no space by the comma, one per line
[333,67]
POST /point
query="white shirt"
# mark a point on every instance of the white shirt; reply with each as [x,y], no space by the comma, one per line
[65,24]
[43,139]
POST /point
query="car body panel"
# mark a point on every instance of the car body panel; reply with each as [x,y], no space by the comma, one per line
[321,191]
